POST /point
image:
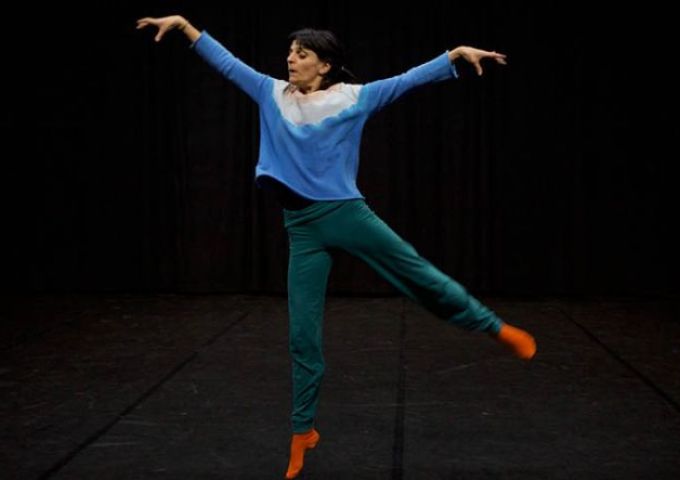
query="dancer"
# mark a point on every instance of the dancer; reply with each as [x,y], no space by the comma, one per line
[311,128]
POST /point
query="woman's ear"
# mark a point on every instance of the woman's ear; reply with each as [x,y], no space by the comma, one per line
[325,68]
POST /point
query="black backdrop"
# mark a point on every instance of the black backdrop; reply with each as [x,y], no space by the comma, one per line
[129,164]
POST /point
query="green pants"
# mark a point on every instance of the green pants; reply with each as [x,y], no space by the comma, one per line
[352,226]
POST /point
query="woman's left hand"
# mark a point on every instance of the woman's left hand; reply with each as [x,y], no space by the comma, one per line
[475,56]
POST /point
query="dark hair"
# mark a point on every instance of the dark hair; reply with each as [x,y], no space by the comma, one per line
[329,49]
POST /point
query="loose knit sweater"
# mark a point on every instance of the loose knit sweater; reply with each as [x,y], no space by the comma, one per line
[310,142]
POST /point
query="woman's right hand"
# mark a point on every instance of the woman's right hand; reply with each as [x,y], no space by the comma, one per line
[164,24]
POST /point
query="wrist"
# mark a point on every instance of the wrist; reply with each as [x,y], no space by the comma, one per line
[454,54]
[182,24]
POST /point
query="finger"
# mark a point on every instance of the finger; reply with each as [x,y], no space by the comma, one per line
[161,32]
[478,67]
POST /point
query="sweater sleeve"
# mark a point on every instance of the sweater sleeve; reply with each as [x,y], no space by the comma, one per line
[380,93]
[242,75]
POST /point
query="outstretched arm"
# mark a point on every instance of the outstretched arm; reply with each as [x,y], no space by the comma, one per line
[165,24]
[383,92]
[475,56]
[246,78]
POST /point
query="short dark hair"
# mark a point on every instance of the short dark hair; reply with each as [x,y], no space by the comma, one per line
[329,49]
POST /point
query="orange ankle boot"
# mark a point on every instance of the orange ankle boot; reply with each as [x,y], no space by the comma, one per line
[298,445]
[518,341]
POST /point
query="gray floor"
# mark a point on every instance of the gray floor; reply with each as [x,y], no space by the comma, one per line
[197,387]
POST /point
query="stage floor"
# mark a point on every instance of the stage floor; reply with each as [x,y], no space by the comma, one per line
[165,386]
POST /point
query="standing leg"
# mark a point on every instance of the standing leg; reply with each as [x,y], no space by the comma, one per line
[308,269]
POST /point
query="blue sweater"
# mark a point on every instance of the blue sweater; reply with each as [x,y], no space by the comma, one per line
[310,143]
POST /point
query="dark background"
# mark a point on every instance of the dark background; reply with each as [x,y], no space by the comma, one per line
[128,165]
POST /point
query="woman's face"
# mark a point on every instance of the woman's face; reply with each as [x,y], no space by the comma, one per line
[305,70]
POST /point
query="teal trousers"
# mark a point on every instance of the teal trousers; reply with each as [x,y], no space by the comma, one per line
[352,226]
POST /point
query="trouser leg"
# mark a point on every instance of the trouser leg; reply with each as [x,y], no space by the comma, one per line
[308,269]
[362,233]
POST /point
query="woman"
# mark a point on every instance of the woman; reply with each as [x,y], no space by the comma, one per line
[309,154]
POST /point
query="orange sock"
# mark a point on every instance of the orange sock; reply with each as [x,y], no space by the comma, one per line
[298,445]
[520,342]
